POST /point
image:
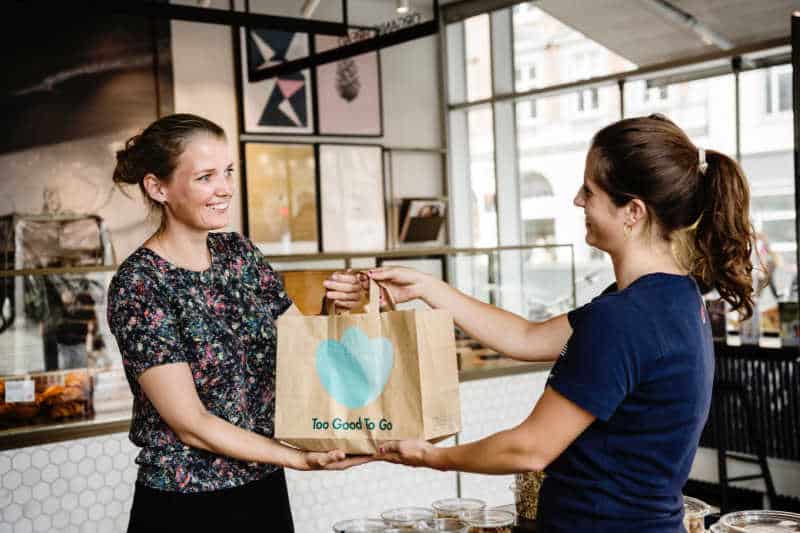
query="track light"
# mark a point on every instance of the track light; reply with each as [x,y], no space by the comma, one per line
[402,6]
[308,8]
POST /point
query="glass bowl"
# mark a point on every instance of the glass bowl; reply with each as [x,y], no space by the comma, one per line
[453,525]
[694,514]
[492,521]
[453,507]
[407,517]
[359,525]
[761,521]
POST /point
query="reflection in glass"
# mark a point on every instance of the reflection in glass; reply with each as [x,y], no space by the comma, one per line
[478,49]
[483,186]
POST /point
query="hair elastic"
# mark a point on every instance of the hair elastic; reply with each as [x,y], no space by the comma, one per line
[703,166]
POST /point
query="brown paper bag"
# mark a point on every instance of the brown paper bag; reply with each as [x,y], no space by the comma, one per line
[354,381]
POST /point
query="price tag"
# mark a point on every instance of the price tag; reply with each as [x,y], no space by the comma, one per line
[19,390]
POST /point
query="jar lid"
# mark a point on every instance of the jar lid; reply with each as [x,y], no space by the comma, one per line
[358,525]
[761,521]
[407,515]
[458,504]
[694,508]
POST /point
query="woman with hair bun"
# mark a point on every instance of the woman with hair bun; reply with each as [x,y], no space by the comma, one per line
[194,316]
[618,425]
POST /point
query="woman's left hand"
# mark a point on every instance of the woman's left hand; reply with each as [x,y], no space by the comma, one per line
[345,288]
[407,452]
[333,460]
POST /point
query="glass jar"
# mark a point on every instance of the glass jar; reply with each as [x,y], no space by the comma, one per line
[492,521]
[526,488]
[407,517]
[452,525]
[694,514]
[359,525]
[761,521]
[453,507]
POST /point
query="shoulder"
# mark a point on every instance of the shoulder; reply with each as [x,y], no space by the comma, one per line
[140,273]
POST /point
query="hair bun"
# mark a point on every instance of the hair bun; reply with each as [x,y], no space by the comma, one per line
[125,170]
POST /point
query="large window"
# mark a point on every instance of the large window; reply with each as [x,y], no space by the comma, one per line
[535,145]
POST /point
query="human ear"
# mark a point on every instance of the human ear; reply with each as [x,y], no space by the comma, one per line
[154,188]
[636,211]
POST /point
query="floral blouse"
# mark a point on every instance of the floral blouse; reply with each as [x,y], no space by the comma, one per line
[222,323]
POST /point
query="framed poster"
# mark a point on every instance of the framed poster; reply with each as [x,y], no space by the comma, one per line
[276,105]
[352,202]
[349,91]
[281,193]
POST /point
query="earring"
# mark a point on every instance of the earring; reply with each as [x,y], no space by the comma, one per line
[626,230]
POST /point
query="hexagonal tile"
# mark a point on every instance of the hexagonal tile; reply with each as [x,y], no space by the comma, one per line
[5,497]
[41,491]
[88,527]
[97,512]
[60,520]
[77,484]
[121,462]
[51,505]
[23,526]
[59,487]
[111,446]
[113,478]
[106,524]
[31,476]
[129,475]
[22,494]
[41,524]
[104,464]
[68,470]
[69,501]
[105,495]
[39,459]
[12,480]
[5,463]
[21,460]
[12,513]
[76,452]
[122,493]
[6,528]
[58,455]
[32,509]
[122,522]
[49,473]
[96,481]
[78,516]
[86,466]
[87,498]
[114,508]
[94,448]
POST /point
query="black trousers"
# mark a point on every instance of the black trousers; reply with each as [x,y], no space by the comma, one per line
[258,506]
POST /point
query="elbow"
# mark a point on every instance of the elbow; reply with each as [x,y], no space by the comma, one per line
[189,430]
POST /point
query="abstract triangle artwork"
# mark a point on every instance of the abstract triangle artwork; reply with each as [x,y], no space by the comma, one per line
[282,104]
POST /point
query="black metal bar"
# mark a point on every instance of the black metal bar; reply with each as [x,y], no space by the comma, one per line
[745,478]
[337,54]
[196,14]
[796,120]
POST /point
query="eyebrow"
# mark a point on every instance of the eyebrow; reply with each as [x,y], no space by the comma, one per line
[211,170]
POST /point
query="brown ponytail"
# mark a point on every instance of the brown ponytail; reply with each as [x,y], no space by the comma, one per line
[652,159]
[724,236]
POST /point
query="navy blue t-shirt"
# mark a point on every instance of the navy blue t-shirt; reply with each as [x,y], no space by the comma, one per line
[641,360]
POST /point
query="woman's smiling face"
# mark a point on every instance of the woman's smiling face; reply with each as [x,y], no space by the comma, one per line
[604,220]
[199,193]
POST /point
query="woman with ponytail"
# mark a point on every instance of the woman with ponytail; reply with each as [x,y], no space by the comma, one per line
[618,425]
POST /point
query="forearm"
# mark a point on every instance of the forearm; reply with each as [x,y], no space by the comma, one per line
[211,433]
[505,452]
[498,329]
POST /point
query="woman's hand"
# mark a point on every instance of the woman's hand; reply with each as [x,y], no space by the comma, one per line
[345,288]
[407,452]
[403,283]
[333,460]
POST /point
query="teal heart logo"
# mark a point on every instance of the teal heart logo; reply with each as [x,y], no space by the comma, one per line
[354,370]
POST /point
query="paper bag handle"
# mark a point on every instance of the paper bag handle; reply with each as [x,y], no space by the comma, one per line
[374,305]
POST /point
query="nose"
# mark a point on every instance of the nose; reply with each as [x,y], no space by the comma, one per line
[225,188]
[578,200]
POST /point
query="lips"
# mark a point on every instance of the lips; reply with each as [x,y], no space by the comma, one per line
[218,207]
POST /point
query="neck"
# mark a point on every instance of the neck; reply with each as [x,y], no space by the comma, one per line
[182,246]
[638,259]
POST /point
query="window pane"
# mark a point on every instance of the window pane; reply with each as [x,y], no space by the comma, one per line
[478,51]
[552,152]
[767,146]
[704,109]
[481,176]
[556,52]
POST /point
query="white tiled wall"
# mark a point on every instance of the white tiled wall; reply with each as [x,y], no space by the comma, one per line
[86,485]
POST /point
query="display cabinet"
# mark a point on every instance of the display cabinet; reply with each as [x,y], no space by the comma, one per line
[61,374]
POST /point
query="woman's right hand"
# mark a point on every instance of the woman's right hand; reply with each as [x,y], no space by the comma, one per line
[403,283]
[333,460]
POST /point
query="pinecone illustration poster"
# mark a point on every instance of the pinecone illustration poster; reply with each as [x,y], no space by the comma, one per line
[348,91]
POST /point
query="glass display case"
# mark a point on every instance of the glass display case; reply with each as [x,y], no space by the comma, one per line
[61,373]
